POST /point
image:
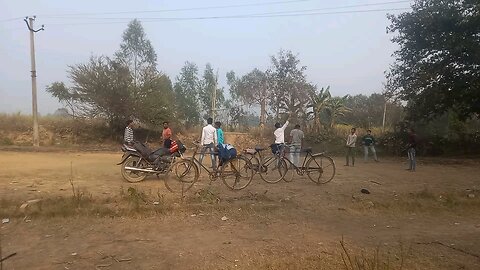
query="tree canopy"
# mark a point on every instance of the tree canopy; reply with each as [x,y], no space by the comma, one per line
[437,66]
[126,86]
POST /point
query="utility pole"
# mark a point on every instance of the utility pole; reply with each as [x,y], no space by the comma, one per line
[29,22]
[384,115]
[214,100]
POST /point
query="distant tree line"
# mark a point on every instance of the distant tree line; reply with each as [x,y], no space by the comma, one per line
[436,75]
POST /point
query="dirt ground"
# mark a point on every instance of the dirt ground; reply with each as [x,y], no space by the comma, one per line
[429,219]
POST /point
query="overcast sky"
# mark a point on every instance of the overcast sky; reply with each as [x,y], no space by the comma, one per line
[348,51]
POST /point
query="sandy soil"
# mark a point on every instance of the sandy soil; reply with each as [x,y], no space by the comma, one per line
[429,219]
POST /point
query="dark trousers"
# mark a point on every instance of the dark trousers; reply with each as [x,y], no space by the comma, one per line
[167,143]
[350,153]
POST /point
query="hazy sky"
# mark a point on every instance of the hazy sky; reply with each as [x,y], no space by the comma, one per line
[348,51]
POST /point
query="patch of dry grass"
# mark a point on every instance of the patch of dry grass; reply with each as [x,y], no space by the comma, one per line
[307,257]
[137,202]
[424,201]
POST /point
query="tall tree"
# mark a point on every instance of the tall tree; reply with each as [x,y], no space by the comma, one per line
[151,91]
[318,103]
[137,53]
[187,88]
[288,85]
[336,108]
[252,89]
[127,86]
[437,66]
[100,87]
[209,88]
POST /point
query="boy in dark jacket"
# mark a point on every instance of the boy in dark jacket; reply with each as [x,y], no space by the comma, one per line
[411,151]
[368,142]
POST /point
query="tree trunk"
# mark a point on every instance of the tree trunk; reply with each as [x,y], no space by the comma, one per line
[263,112]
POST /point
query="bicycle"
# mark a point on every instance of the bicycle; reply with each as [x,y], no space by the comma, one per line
[271,169]
[319,167]
[235,173]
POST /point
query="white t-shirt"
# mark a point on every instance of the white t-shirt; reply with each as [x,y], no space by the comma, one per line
[280,133]
[209,135]
[351,140]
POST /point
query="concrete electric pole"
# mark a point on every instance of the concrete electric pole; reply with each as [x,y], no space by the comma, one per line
[29,22]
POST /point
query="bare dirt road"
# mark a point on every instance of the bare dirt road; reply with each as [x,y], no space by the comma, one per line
[424,220]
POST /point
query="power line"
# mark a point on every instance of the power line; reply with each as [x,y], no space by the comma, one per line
[180,9]
[265,13]
[245,16]
[258,14]
[12,19]
[64,16]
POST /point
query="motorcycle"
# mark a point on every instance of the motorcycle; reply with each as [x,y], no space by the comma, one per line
[139,161]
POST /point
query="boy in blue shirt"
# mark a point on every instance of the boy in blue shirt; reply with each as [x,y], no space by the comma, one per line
[220,138]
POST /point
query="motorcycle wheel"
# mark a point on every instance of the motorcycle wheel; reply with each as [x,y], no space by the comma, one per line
[131,176]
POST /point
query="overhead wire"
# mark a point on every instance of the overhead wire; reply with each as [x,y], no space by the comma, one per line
[64,16]
[245,16]
[11,19]
[182,9]
[264,13]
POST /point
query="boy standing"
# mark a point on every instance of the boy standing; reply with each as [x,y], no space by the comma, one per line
[220,137]
[411,151]
[279,134]
[351,140]
[368,142]
[166,135]
[208,142]
[296,144]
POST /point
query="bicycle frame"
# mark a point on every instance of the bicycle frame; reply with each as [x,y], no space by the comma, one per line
[265,160]
[212,173]
[302,169]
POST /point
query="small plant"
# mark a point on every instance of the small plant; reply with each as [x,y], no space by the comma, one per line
[207,196]
[6,141]
[375,260]
[135,198]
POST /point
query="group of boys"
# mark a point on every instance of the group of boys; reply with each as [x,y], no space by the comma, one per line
[368,142]
[213,136]
[128,138]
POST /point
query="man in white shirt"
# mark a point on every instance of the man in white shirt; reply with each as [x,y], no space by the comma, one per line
[208,141]
[351,140]
[279,134]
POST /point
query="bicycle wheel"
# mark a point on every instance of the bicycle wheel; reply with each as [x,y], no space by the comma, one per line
[320,169]
[273,169]
[184,175]
[133,176]
[291,172]
[237,173]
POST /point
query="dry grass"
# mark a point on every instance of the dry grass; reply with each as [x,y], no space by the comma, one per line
[424,201]
[16,129]
[144,203]
[328,257]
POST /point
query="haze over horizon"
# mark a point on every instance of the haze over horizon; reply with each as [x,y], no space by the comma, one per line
[346,48]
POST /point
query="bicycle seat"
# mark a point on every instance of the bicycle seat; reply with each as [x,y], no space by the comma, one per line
[307,150]
[258,149]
